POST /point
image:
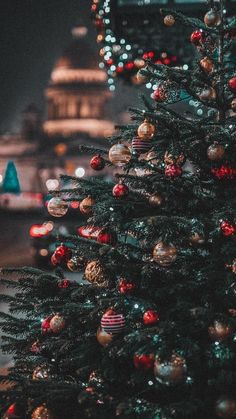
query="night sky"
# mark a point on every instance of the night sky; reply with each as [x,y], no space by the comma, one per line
[33,35]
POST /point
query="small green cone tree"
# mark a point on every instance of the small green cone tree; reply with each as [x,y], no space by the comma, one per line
[10,181]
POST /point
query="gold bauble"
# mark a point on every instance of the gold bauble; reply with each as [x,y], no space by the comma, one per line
[86,206]
[212,18]
[57,207]
[215,152]
[226,408]
[207,64]
[103,337]
[57,323]
[42,412]
[197,238]
[207,94]
[219,331]
[139,62]
[41,373]
[146,130]
[170,372]
[233,105]
[169,20]
[155,200]
[95,272]
[75,264]
[164,254]
[119,155]
[141,78]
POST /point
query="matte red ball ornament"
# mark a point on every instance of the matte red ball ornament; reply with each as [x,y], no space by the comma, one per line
[227,228]
[14,411]
[120,190]
[172,171]
[224,172]
[107,237]
[126,287]
[197,37]
[232,84]
[143,362]
[61,255]
[97,163]
[150,317]
[64,283]
[112,322]
[45,325]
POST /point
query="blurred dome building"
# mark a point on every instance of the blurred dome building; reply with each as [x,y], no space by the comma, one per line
[77,93]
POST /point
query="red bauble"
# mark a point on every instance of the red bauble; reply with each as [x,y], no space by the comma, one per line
[159,95]
[227,228]
[45,325]
[150,317]
[197,37]
[172,171]
[89,232]
[97,162]
[64,283]
[119,190]
[232,84]
[107,237]
[14,411]
[224,172]
[143,362]
[126,287]
[61,255]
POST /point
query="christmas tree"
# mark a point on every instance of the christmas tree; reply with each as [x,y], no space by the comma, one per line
[153,334]
[10,180]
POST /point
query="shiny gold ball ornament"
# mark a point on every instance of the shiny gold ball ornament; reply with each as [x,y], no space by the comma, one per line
[226,408]
[95,273]
[233,105]
[220,331]
[86,205]
[170,372]
[146,130]
[41,372]
[119,155]
[207,64]
[42,412]
[208,93]
[152,158]
[57,323]
[215,152]
[57,207]
[164,254]
[139,62]
[212,18]
[169,20]
[103,337]
[155,200]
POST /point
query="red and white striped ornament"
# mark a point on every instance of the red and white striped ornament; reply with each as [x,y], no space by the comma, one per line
[112,322]
[141,146]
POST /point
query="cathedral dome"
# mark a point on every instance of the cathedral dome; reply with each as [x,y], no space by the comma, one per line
[78,63]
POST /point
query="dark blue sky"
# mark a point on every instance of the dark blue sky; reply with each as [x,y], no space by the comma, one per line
[33,35]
